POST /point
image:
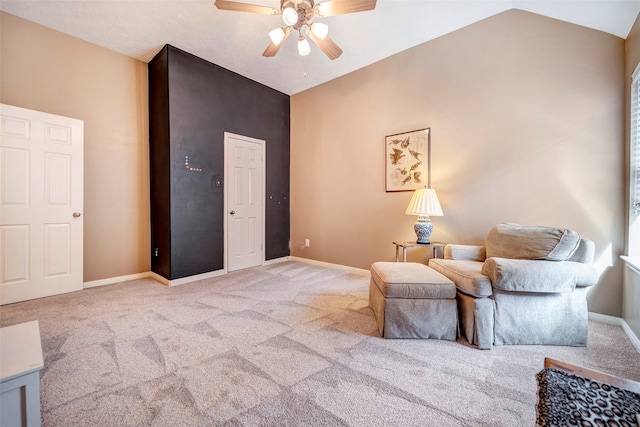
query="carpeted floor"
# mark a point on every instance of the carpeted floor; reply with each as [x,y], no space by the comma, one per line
[289,344]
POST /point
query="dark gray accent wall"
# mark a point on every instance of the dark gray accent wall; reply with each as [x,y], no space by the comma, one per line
[192,103]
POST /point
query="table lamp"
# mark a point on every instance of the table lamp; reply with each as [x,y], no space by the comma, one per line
[424,203]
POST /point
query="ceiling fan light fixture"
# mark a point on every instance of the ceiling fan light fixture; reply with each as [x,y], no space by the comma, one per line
[320,30]
[297,16]
[276,36]
[303,46]
[290,16]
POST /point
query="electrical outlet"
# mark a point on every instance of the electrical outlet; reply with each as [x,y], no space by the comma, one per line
[307,243]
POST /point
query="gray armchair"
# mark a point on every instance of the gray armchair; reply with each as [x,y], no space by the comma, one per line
[527,285]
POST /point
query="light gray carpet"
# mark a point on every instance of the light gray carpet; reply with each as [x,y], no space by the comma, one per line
[288,344]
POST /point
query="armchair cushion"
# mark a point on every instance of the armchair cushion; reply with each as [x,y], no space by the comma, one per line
[467,275]
[518,275]
[465,252]
[531,242]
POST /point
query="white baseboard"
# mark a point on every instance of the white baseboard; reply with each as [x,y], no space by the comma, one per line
[154,276]
[617,321]
[276,260]
[159,278]
[634,339]
[188,279]
[603,318]
[113,280]
[330,265]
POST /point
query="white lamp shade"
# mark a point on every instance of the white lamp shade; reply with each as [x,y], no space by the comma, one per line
[424,202]
[276,36]
[303,47]
[320,30]
[290,16]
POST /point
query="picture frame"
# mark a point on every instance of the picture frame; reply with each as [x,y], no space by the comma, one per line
[408,160]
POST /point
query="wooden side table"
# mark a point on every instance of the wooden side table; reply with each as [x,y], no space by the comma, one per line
[407,245]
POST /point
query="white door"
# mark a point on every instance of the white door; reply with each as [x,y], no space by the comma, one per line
[41,190]
[244,201]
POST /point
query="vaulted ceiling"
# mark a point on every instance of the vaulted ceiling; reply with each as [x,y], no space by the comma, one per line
[236,40]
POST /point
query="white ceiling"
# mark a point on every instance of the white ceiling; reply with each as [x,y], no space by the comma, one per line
[236,40]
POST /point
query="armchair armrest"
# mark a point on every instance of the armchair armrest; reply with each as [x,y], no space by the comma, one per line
[520,275]
[586,274]
[465,252]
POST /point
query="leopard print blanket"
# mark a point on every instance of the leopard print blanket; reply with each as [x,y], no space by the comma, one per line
[568,400]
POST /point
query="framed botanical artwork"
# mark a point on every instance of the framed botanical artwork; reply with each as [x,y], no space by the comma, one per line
[407,160]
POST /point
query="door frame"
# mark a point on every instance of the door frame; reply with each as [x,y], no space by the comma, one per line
[263,146]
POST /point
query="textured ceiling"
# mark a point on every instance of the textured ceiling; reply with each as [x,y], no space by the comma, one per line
[236,40]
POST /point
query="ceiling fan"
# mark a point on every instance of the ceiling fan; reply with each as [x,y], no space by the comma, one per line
[298,16]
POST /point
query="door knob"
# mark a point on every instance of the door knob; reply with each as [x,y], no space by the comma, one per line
[232,212]
[76,214]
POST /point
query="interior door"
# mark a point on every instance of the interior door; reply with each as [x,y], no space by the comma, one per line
[41,200]
[244,201]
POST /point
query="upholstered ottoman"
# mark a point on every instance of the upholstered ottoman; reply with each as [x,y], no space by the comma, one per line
[411,300]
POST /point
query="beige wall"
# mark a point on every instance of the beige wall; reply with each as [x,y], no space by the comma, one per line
[526,115]
[48,71]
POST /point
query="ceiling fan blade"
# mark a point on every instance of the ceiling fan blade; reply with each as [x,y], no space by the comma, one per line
[244,7]
[328,46]
[272,49]
[340,7]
